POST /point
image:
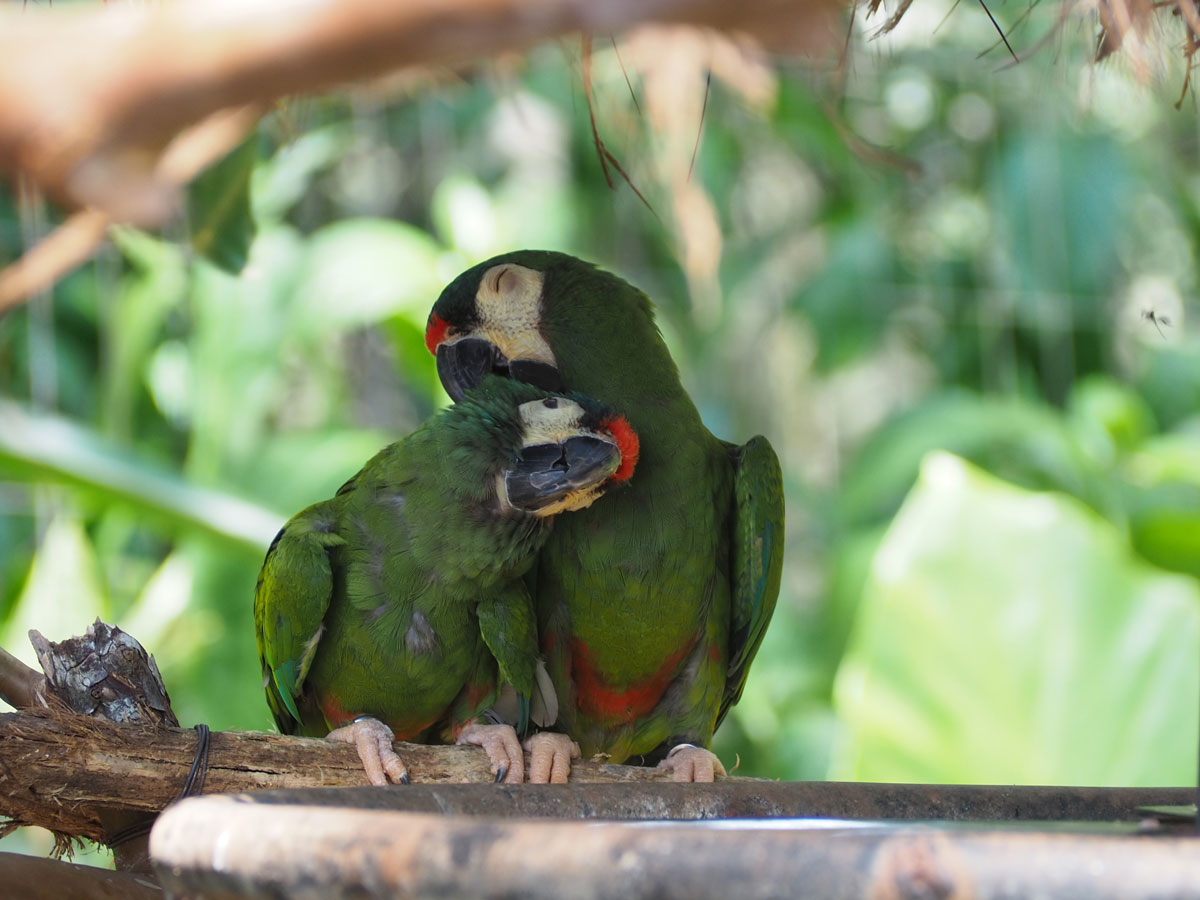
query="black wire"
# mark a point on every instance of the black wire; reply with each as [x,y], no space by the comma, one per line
[193,784]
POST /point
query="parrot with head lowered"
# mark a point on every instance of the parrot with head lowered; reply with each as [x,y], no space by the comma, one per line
[397,609]
[652,604]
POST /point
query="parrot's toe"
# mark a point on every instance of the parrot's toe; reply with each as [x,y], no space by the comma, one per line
[550,755]
[502,747]
[373,741]
[690,763]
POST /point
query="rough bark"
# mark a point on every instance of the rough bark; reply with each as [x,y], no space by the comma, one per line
[103,675]
[60,769]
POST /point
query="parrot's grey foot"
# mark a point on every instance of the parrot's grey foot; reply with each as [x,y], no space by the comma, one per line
[373,741]
[550,755]
[687,762]
[502,747]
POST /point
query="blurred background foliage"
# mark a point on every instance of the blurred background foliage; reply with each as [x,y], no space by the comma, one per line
[956,296]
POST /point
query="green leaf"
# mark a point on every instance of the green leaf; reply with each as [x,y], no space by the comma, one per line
[360,271]
[222,225]
[1109,417]
[279,183]
[1012,637]
[1025,442]
[156,284]
[41,447]
[1162,495]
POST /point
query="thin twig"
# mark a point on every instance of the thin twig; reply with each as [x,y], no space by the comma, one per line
[946,17]
[867,151]
[585,66]
[628,83]
[841,71]
[607,157]
[700,125]
[999,31]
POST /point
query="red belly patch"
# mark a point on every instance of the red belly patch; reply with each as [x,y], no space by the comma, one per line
[610,705]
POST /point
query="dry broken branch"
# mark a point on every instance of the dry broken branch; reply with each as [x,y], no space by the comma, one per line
[75,241]
[91,97]
[20,686]
[59,768]
[93,101]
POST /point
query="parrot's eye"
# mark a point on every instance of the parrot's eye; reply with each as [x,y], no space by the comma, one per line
[500,273]
[550,403]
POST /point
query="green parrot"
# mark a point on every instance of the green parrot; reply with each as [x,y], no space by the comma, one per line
[651,605]
[397,609]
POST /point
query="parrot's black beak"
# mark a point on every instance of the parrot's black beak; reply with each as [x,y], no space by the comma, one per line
[546,474]
[539,374]
[463,364]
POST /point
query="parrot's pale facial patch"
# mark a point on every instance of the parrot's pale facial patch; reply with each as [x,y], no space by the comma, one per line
[507,304]
[550,421]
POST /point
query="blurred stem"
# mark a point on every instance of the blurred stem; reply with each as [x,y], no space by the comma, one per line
[43,380]
[43,365]
[20,686]
[116,83]
[53,448]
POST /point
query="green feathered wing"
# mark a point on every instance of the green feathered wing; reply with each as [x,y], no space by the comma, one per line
[291,599]
[757,558]
[509,628]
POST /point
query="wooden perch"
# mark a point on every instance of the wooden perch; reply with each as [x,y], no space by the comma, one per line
[98,748]
[217,847]
[34,878]
[59,768]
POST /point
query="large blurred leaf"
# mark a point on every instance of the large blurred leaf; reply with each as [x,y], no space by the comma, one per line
[156,284]
[219,208]
[1023,441]
[1012,637]
[362,270]
[64,592]
[47,447]
[1163,499]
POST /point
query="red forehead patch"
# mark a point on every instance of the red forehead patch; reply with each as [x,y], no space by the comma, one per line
[627,443]
[435,332]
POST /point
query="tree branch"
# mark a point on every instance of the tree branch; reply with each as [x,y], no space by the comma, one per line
[20,686]
[90,97]
[34,878]
[58,768]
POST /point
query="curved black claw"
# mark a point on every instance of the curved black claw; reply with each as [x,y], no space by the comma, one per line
[500,773]
[404,779]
